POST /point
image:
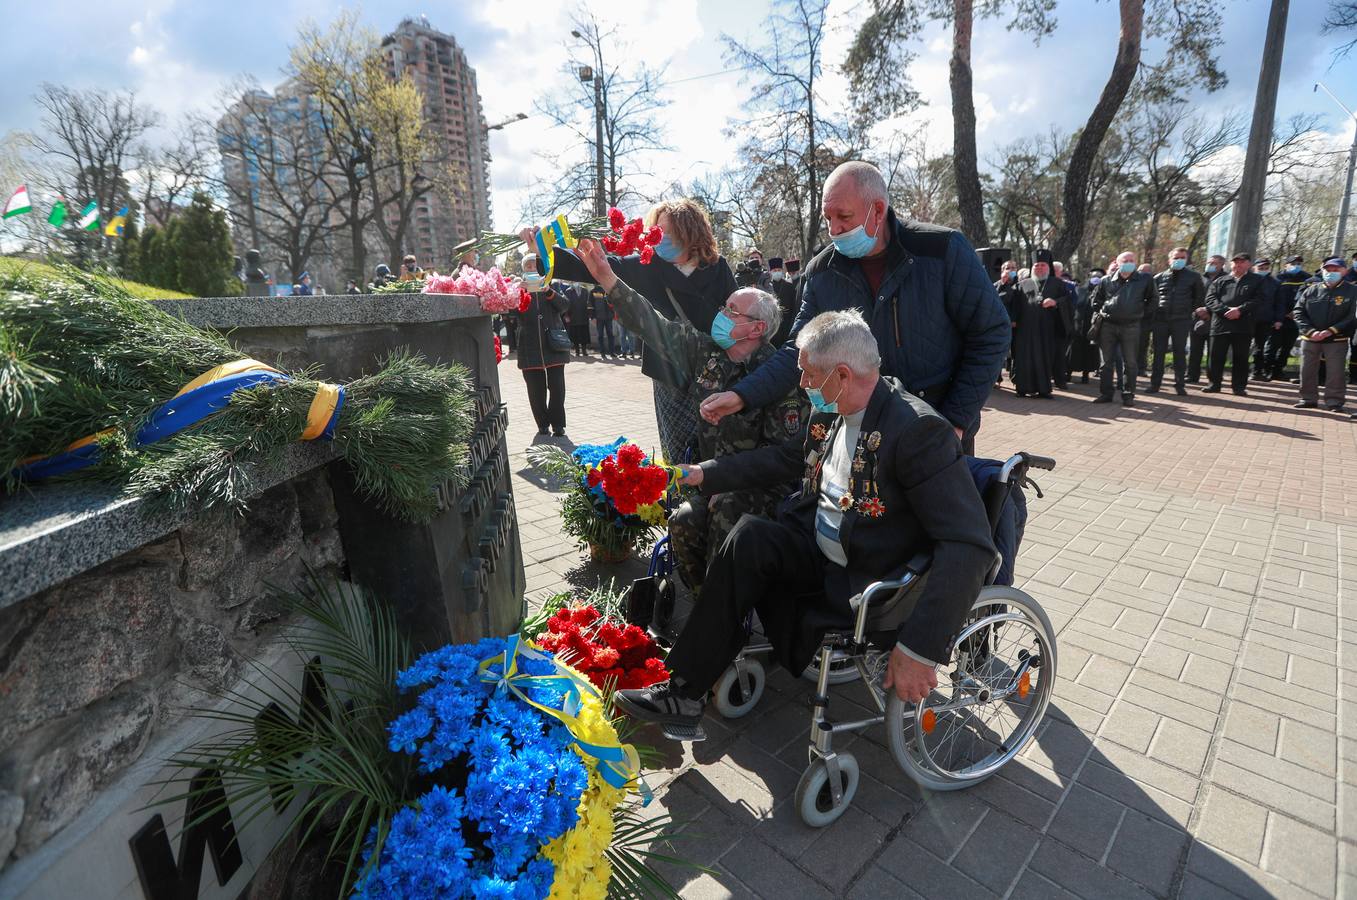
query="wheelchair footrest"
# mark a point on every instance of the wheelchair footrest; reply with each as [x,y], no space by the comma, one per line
[689,733]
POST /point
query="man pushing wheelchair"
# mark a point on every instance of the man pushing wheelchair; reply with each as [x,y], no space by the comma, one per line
[881,477]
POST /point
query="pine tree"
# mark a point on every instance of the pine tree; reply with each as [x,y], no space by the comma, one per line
[198,245]
[158,264]
[128,257]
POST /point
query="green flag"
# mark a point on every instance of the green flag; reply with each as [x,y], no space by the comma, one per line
[89,217]
[57,217]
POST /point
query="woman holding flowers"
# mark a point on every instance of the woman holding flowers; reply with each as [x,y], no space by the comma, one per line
[685,279]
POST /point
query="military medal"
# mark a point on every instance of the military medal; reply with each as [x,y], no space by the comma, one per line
[874,441]
[858,465]
[872,507]
[846,502]
[818,431]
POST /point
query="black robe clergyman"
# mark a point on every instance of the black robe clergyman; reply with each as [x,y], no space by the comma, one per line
[1041,334]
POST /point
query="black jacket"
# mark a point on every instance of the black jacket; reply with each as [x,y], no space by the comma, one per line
[1125,300]
[929,498]
[785,292]
[1180,293]
[545,311]
[939,325]
[1228,292]
[578,299]
[699,295]
[1320,307]
[1292,285]
[1270,310]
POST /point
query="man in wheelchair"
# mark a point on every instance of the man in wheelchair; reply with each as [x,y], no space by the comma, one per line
[881,477]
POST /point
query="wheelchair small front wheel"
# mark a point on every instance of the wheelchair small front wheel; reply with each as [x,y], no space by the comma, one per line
[740,688]
[814,796]
[842,669]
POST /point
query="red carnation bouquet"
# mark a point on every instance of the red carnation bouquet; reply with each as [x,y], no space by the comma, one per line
[602,650]
[630,480]
[631,237]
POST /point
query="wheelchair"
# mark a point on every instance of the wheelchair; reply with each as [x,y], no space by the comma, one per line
[990,699]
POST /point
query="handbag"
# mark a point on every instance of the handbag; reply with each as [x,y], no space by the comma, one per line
[558,339]
[1095,327]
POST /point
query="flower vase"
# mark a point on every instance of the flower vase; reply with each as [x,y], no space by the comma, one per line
[607,555]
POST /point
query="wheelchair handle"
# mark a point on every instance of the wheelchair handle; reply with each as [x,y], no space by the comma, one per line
[1038,462]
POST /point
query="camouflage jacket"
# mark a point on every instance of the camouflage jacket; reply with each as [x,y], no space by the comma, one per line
[697,363]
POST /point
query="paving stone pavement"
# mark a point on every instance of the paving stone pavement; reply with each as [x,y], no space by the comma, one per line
[1192,555]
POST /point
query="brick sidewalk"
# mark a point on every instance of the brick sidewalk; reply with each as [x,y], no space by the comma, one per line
[1190,552]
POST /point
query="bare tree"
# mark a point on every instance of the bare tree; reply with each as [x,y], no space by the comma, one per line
[794,134]
[89,138]
[273,172]
[881,52]
[921,185]
[1342,16]
[628,98]
[176,170]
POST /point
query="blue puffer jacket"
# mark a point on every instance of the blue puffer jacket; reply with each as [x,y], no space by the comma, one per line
[939,324]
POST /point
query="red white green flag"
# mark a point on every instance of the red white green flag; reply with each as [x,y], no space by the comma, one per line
[18,203]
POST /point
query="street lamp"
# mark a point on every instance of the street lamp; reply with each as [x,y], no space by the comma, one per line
[518,117]
[588,74]
[1342,229]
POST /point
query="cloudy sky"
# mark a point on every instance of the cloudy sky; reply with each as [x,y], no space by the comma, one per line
[176,54]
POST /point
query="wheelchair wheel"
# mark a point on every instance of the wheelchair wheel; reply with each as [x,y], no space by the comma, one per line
[989,700]
[841,669]
[815,799]
[739,689]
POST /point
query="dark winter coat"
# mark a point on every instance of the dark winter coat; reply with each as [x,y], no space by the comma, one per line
[547,310]
[1320,307]
[1227,292]
[1179,294]
[938,322]
[1125,300]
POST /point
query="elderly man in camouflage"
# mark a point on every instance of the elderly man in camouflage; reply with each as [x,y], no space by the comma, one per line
[738,344]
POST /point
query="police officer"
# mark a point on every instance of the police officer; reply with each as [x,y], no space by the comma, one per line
[1233,300]
[1325,317]
[738,344]
[1293,281]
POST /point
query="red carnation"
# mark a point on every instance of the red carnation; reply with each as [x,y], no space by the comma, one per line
[616,218]
[630,455]
[605,658]
[611,244]
[594,478]
[647,254]
[654,235]
[610,634]
[524,300]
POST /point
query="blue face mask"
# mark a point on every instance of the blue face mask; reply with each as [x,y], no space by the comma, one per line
[667,250]
[1126,268]
[1212,268]
[1095,280]
[855,243]
[1333,277]
[1178,264]
[721,328]
[817,398]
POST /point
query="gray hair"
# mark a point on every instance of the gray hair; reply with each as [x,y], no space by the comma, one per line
[764,309]
[865,177]
[840,338]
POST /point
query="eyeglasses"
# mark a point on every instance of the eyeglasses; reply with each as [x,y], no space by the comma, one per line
[732,312]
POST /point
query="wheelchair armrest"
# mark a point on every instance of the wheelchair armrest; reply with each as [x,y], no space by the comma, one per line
[904,575]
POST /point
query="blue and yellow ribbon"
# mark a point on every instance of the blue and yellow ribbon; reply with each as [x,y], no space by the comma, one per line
[618,764]
[550,236]
[205,395]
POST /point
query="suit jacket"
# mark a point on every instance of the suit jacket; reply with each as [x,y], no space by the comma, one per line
[914,470]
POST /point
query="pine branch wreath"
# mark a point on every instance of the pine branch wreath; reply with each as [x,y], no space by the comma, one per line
[79,356]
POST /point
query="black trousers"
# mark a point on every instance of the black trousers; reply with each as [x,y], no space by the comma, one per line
[546,396]
[1262,341]
[1279,347]
[1166,333]
[1236,344]
[763,566]
[1123,336]
[1196,349]
[1143,360]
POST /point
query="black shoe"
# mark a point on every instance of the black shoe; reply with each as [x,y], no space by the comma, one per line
[1084,380]
[1295,381]
[1045,396]
[1334,407]
[1128,399]
[1180,391]
[1305,404]
[660,703]
[1239,393]
[1151,390]
[558,433]
[1211,389]
[1101,399]
[1262,378]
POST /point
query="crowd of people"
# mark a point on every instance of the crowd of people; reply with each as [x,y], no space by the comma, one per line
[1125,321]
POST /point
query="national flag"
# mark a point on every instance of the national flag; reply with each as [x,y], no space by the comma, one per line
[89,217]
[115,225]
[57,217]
[18,203]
